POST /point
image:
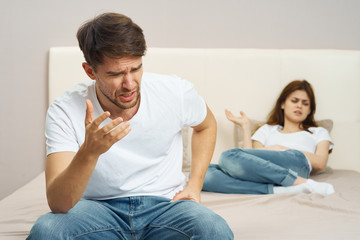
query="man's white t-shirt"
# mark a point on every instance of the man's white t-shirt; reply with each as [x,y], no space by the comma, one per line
[270,135]
[148,161]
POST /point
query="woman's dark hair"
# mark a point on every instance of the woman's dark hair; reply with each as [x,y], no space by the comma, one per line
[276,116]
[112,35]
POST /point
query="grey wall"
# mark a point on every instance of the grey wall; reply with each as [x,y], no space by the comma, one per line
[29,28]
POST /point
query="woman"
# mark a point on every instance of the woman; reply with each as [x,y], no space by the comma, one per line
[280,155]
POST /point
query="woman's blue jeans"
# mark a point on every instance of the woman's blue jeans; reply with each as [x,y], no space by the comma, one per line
[143,217]
[255,171]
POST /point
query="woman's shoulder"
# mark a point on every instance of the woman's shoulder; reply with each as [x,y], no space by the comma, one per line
[269,128]
[318,130]
[320,133]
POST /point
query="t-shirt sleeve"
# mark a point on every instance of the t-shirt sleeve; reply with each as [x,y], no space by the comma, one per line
[59,132]
[261,134]
[322,134]
[193,105]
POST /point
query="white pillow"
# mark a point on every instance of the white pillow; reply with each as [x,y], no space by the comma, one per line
[186,133]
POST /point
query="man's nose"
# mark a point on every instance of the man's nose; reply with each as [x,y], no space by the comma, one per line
[128,81]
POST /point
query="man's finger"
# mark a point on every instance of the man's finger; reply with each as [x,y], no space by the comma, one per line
[119,132]
[89,117]
[97,121]
[114,123]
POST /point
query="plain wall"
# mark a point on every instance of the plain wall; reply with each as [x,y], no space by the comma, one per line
[29,28]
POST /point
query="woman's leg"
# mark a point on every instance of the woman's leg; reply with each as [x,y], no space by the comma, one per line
[218,181]
[257,165]
[264,166]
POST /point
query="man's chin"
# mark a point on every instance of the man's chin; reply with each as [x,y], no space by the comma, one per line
[127,105]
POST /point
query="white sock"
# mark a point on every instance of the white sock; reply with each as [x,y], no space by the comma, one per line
[301,188]
[320,187]
[310,186]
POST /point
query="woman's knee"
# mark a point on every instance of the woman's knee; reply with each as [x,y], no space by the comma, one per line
[232,161]
[228,157]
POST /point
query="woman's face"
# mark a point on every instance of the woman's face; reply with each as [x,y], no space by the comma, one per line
[296,107]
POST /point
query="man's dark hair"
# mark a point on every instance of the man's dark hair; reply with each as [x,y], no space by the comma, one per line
[112,35]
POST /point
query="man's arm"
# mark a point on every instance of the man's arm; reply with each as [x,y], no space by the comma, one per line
[68,173]
[202,147]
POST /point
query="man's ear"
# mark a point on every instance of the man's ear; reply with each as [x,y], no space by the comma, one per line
[89,70]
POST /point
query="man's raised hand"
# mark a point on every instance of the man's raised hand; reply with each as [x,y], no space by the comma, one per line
[99,140]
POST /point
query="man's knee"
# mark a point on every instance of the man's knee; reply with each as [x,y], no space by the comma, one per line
[45,228]
[213,226]
[207,224]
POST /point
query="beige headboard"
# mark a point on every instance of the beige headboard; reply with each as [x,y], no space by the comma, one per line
[250,80]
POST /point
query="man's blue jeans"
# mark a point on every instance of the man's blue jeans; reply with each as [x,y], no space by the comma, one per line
[143,217]
[254,171]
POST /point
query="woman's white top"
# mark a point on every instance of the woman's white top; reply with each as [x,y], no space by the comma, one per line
[305,141]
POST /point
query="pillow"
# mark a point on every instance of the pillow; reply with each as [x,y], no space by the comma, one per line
[254,125]
[326,123]
[186,133]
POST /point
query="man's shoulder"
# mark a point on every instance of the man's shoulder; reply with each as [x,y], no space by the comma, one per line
[79,90]
[75,96]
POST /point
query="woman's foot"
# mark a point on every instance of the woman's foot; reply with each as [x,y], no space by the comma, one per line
[310,186]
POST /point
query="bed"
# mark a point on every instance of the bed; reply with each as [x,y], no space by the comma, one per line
[250,80]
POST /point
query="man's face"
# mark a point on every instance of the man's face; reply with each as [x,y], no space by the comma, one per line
[118,80]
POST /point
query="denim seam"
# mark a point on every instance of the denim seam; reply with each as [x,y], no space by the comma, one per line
[99,230]
[129,231]
[169,227]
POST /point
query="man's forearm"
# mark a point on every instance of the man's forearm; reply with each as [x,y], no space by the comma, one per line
[202,145]
[67,188]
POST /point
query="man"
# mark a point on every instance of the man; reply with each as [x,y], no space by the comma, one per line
[114,148]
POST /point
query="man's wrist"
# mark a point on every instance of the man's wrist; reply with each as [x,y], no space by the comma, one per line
[87,155]
[195,183]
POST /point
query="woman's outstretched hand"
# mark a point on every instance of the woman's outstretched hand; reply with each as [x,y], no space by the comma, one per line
[242,121]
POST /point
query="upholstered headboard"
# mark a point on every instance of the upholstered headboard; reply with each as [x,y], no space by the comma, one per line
[250,80]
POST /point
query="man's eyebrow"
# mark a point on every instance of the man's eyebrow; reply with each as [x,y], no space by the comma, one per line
[137,68]
[112,73]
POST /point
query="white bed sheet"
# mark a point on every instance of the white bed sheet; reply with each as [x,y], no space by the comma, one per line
[294,216]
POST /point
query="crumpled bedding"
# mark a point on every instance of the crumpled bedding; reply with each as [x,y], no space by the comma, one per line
[288,216]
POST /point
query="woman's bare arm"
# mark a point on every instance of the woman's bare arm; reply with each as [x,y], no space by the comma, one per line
[244,123]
